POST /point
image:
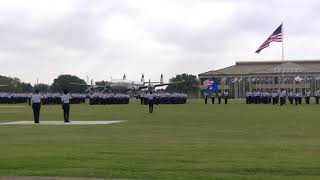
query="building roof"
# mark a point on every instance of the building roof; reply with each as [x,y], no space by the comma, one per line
[266,67]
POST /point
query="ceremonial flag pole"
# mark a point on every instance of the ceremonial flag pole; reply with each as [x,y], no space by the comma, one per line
[282,41]
[282,78]
[276,36]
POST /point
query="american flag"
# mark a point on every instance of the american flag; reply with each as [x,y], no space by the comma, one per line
[207,83]
[276,36]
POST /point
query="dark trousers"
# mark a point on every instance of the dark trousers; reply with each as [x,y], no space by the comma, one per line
[273,100]
[307,100]
[282,101]
[296,100]
[212,98]
[36,112]
[219,100]
[300,100]
[226,100]
[206,99]
[291,100]
[150,106]
[66,110]
[317,99]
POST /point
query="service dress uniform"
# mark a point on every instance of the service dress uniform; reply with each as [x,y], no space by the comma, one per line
[213,95]
[290,97]
[283,97]
[36,106]
[205,97]
[307,97]
[219,97]
[65,100]
[226,96]
[150,98]
[316,96]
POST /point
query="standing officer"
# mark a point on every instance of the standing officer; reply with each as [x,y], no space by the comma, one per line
[290,97]
[150,98]
[213,95]
[316,96]
[307,97]
[282,97]
[205,97]
[36,105]
[274,95]
[296,98]
[65,100]
[219,96]
[226,96]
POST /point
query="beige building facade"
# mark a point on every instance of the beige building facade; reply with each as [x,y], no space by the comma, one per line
[244,76]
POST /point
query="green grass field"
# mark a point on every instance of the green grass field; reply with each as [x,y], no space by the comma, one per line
[192,141]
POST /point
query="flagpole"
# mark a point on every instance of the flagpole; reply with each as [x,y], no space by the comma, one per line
[282,77]
[282,41]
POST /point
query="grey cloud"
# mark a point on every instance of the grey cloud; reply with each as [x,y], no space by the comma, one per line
[75,42]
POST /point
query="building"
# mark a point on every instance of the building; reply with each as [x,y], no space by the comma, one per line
[267,76]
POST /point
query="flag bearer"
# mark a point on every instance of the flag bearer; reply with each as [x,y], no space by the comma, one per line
[205,97]
[213,95]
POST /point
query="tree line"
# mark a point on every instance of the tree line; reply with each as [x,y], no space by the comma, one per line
[190,84]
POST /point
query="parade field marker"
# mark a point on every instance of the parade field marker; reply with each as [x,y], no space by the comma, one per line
[61,123]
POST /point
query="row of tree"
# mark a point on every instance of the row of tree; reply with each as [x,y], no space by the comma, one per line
[190,84]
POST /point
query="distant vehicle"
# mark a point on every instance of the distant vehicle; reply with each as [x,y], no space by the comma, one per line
[2,85]
[124,85]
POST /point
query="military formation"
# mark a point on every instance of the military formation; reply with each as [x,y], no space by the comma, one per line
[100,98]
[46,98]
[281,97]
[163,98]
[150,98]
[14,98]
[55,98]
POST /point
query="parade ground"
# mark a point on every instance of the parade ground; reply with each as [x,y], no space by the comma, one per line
[190,141]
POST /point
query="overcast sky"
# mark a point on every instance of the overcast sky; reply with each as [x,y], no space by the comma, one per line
[104,39]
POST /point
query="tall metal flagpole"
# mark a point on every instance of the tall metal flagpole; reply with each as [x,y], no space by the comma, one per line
[282,41]
[282,78]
